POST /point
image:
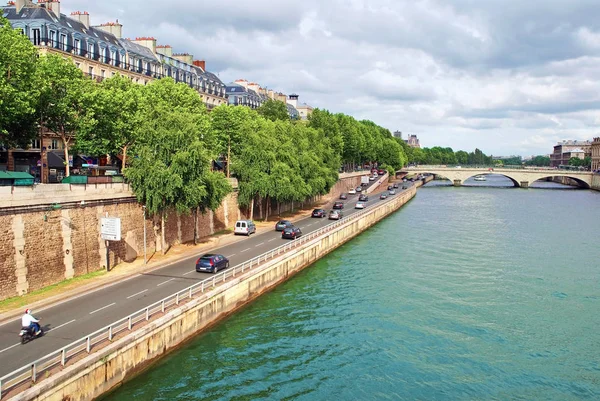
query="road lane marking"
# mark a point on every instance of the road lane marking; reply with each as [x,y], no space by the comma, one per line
[58,327]
[165,282]
[190,272]
[247,249]
[262,243]
[104,307]
[232,255]
[137,293]
[272,240]
[12,346]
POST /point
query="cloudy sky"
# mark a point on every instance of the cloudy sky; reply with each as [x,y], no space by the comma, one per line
[506,76]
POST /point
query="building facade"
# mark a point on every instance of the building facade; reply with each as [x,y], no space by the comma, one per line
[563,151]
[304,110]
[595,154]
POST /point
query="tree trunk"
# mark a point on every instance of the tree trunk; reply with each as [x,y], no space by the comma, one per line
[124,158]
[268,208]
[196,226]
[66,152]
[260,208]
[162,232]
[228,154]
[252,209]
[278,208]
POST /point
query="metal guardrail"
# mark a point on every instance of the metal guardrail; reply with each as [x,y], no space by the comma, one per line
[85,345]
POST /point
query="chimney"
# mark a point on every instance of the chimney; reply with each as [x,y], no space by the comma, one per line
[271,94]
[54,6]
[184,57]
[148,42]
[114,28]
[19,4]
[82,17]
[165,50]
[293,100]
[201,64]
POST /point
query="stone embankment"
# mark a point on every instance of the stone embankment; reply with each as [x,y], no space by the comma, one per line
[101,371]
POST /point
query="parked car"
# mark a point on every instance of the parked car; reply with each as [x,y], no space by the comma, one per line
[372,178]
[319,213]
[383,196]
[244,227]
[343,196]
[395,185]
[393,192]
[338,205]
[352,191]
[390,187]
[358,189]
[291,233]
[211,262]
[381,172]
[335,215]
[282,225]
[363,198]
[359,205]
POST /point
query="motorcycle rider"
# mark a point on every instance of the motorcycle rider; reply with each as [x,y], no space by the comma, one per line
[30,322]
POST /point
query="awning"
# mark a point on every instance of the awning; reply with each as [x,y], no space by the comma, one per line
[56,160]
[14,175]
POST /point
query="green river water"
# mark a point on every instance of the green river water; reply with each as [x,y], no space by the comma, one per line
[479,293]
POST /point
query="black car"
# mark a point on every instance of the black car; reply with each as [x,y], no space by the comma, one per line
[211,262]
[338,205]
[319,213]
[404,186]
[291,233]
[282,224]
[343,196]
[363,198]
[383,196]
[395,185]
[390,187]
[358,189]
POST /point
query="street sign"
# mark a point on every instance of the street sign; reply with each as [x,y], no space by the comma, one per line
[110,228]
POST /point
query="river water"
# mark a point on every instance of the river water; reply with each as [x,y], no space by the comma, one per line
[473,293]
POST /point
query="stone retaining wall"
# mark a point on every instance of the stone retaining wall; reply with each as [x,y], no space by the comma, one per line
[107,368]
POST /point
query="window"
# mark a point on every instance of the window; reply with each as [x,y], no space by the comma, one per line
[102,73]
[53,144]
[91,70]
[35,144]
[53,39]
[36,36]
[77,46]
[113,57]
[63,42]
[91,50]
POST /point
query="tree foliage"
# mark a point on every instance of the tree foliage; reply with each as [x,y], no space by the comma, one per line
[274,110]
[18,87]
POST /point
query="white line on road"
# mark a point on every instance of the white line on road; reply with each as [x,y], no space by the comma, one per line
[7,348]
[190,272]
[59,326]
[165,282]
[262,243]
[231,256]
[273,239]
[137,293]
[247,249]
[104,307]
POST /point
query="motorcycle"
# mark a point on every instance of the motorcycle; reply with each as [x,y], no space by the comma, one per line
[28,333]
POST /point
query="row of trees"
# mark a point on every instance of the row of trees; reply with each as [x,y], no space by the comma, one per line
[438,155]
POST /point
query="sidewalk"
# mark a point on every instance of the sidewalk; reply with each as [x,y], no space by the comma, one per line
[125,271]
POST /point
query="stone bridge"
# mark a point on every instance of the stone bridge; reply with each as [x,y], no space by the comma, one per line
[520,177]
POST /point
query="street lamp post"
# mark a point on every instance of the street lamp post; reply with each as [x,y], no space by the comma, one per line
[145,258]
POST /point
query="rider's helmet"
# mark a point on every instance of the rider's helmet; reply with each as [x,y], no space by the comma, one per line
[28,311]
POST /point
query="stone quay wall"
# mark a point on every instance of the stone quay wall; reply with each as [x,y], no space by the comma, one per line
[105,369]
[42,245]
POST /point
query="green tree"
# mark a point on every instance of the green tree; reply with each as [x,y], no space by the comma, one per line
[115,106]
[576,162]
[274,110]
[462,157]
[18,87]
[62,101]
[542,161]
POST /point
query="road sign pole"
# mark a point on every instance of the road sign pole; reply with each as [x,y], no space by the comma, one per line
[107,256]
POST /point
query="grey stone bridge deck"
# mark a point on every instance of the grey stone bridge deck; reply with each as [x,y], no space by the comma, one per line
[520,177]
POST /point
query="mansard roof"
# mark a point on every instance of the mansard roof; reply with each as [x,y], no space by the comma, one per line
[140,50]
[43,14]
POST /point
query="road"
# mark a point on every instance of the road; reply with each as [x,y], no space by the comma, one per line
[75,318]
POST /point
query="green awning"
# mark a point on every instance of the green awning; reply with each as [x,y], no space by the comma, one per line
[14,175]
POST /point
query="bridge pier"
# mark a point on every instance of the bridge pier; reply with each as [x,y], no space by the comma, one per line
[457,183]
[524,184]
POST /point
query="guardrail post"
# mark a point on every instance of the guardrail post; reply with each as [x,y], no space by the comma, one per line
[190,292]
[63,357]
[177,299]
[147,313]
[110,333]
[213,281]
[89,346]
[0,389]
[202,286]
[162,306]
[33,372]
[129,323]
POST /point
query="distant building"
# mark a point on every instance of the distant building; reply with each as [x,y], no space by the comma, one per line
[304,110]
[563,151]
[595,154]
[413,141]
[398,134]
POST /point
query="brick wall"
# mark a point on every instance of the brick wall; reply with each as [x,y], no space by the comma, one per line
[8,278]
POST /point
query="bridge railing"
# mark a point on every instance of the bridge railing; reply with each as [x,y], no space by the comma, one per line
[85,345]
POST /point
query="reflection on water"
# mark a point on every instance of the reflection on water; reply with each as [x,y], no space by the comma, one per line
[499,181]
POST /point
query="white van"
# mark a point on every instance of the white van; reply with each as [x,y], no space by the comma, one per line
[244,227]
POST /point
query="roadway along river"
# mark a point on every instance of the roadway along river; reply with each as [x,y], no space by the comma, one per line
[463,294]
